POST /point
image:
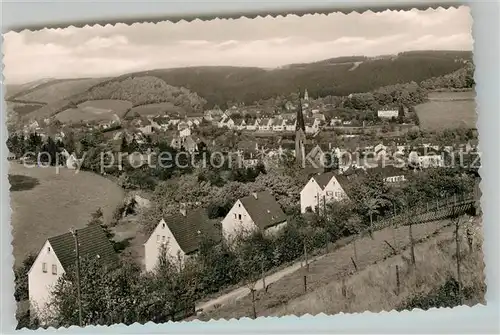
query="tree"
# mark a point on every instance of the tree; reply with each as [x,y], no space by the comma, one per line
[21,278]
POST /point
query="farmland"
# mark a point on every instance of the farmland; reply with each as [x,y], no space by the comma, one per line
[95,110]
[56,90]
[448,110]
[47,203]
[162,108]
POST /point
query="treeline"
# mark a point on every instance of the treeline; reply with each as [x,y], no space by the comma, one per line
[221,84]
[461,79]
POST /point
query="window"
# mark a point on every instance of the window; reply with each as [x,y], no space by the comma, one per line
[54,269]
[163,239]
[239,216]
[157,238]
[239,205]
[235,215]
[44,267]
[48,249]
[163,225]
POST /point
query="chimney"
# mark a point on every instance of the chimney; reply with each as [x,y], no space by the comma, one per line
[254,194]
[183,208]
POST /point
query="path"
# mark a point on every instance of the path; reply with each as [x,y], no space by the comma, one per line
[243,291]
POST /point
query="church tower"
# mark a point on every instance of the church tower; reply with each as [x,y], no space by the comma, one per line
[300,135]
[306,95]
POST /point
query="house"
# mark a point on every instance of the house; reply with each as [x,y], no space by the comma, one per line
[321,189]
[58,256]
[242,125]
[258,211]
[253,125]
[265,124]
[425,158]
[290,125]
[185,132]
[380,151]
[335,122]
[388,114]
[226,122]
[390,174]
[180,234]
[312,125]
[278,124]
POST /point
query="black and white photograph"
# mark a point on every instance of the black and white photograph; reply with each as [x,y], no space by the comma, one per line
[244,168]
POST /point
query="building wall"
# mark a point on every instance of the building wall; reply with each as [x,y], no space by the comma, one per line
[161,235]
[236,221]
[312,194]
[40,284]
[388,114]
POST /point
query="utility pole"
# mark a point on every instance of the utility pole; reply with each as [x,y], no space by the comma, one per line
[77,254]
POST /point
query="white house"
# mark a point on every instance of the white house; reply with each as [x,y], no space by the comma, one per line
[278,124]
[322,189]
[388,114]
[242,125]
[380,151]
[390,174]
[425,158]
[265,124]
[290,125]
[312,126]
[226,122]
[253,125]
[335,122]
[180,234]
[258,211]
[58,256]
[185,132]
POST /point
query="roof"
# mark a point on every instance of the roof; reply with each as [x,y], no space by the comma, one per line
[92,242]
[323,179]
[263,209]
[185,229]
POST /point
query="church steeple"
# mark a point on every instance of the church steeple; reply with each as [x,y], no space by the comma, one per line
[300,136]
[306,95]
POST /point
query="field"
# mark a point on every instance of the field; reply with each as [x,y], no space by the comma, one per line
[95,110]
[448,110]
[287,294]
[163,108]
[49,203]
[56,90]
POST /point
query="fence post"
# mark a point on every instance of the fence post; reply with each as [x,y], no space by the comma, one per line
[398,283]
[305,283]
[254,310]
[412,245]
[457,242]
[344,289]
[263,276]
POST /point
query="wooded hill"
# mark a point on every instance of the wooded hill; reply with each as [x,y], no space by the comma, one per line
[218,84]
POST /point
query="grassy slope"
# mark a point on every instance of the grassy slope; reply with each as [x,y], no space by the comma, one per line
[287,295]
[448,110]
[59,202]
[374,289]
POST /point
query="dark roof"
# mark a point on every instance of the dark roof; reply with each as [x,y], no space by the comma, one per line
[323,179]
[185,229]
[92,242]
[263,209]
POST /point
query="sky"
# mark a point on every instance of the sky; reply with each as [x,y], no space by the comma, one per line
[100,51]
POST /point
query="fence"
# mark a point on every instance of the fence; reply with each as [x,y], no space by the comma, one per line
[351,258]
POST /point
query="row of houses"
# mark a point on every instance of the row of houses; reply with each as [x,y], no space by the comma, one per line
[277,124]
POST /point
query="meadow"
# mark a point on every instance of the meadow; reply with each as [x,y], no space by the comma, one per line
[95,110]
[55,202]
[162,108]
[375,288]
[375,262]
[448,110]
